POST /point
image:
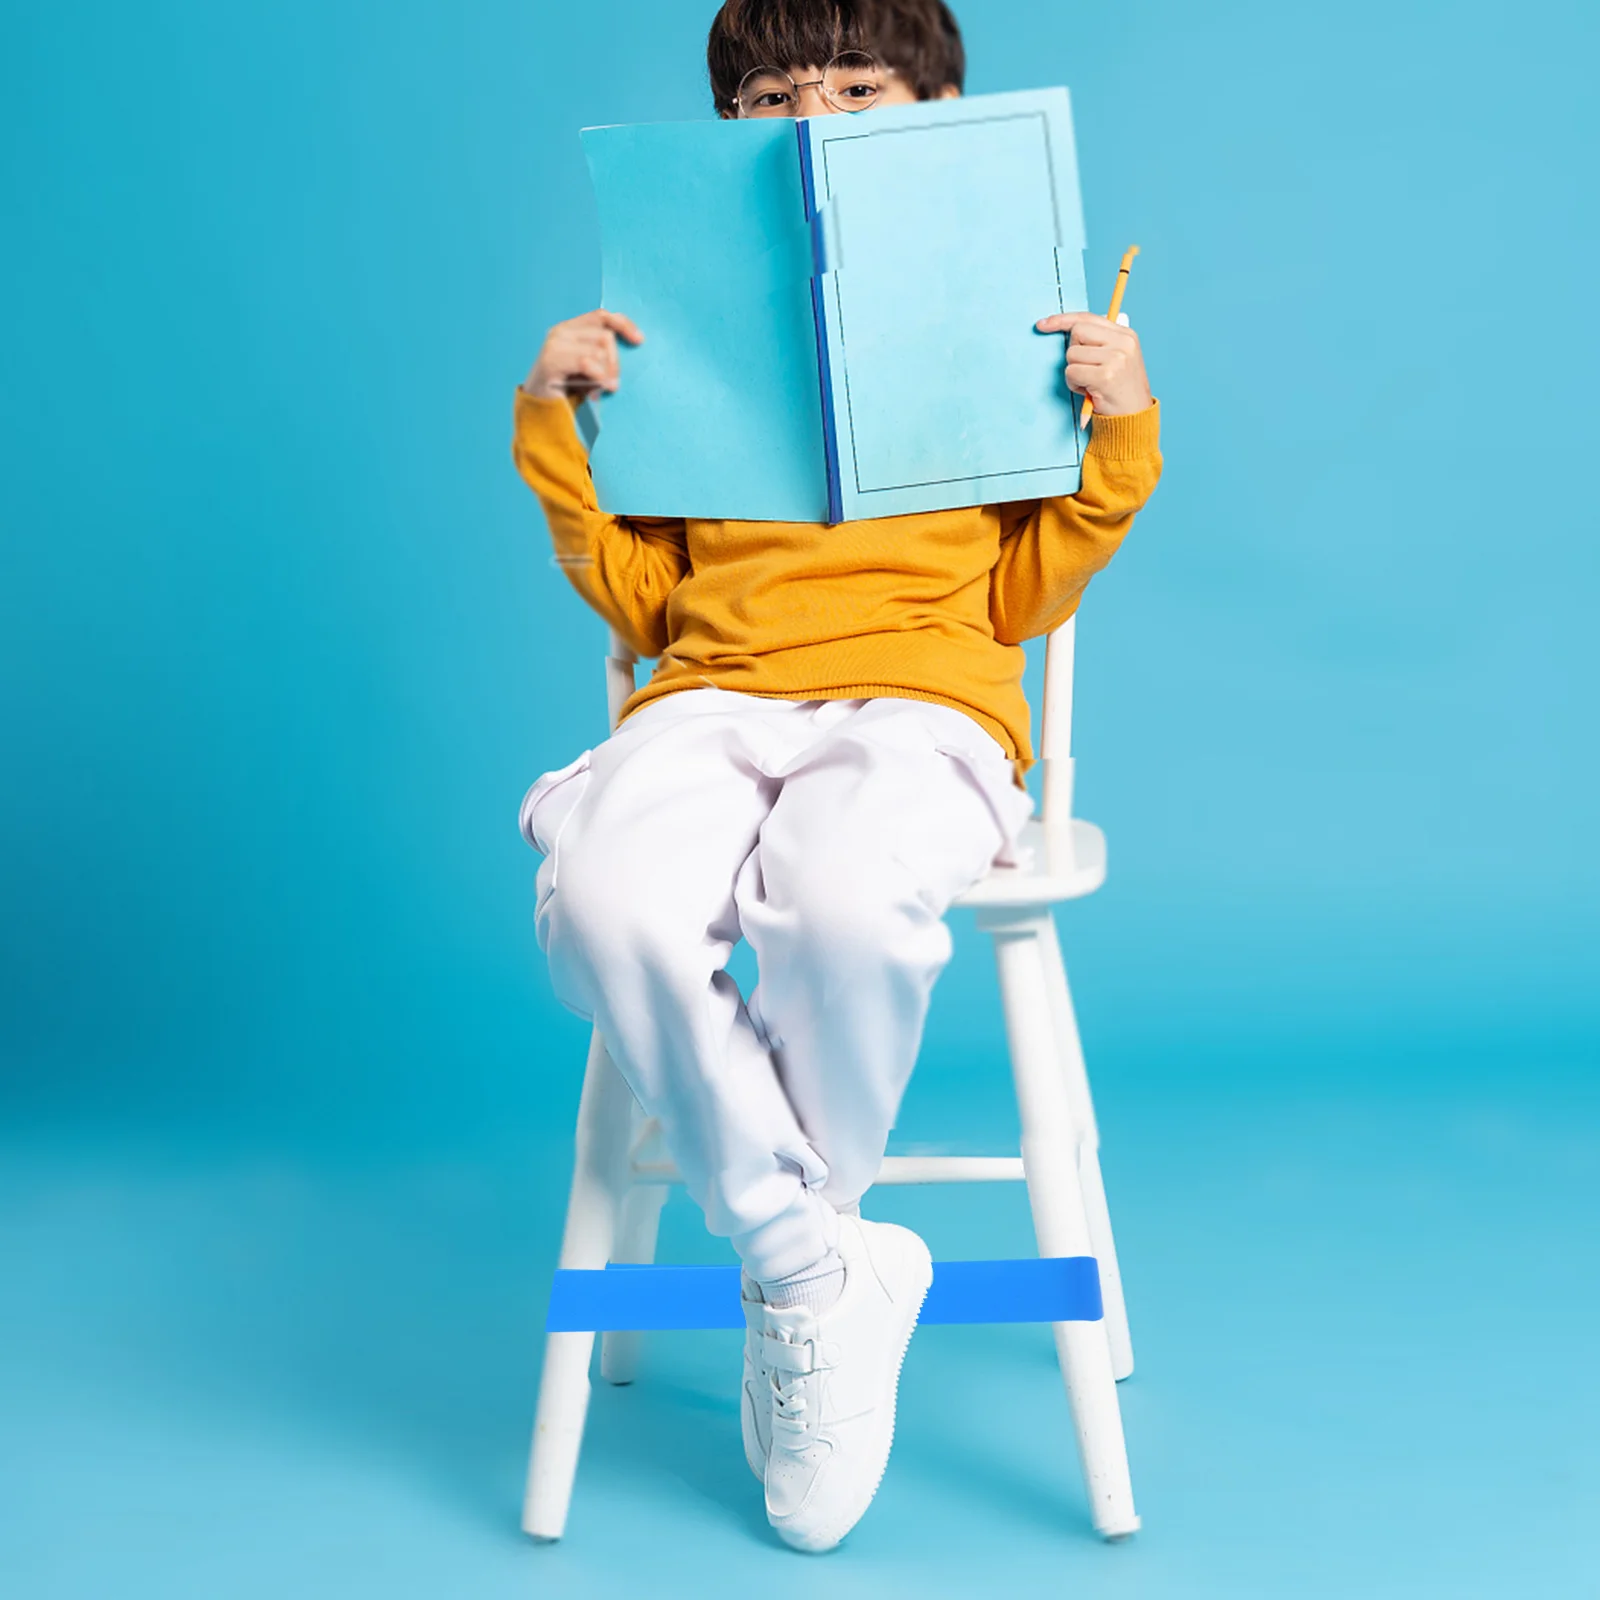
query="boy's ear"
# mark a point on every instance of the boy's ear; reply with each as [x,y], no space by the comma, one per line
[949,92]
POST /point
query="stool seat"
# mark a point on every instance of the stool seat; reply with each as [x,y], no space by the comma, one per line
[1055,864]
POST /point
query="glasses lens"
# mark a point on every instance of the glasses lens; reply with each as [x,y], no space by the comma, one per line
[766,92]
[853,81]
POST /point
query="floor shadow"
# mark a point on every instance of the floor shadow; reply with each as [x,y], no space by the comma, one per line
[662,1426]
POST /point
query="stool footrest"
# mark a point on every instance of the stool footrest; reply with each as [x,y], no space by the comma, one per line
[895,1169]
[1048,1289]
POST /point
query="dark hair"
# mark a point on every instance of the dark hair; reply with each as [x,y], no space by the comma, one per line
[918,38]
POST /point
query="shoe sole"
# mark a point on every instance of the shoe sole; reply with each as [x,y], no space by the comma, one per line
[818,1543]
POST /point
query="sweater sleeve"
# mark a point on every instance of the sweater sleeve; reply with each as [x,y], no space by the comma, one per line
[625,567]
[1050,549]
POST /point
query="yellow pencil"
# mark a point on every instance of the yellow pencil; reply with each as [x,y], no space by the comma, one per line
[1111,316]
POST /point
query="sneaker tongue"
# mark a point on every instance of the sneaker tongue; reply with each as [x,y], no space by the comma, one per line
[793,1323]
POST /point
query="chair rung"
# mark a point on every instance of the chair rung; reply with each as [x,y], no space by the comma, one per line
[895,1169]
[951,1169]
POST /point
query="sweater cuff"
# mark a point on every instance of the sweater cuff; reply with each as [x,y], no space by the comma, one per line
[549,452]
[544,418]
[1131,437]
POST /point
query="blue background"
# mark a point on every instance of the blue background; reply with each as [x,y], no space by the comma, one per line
[286,1113]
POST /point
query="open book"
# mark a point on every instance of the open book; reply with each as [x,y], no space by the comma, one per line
[839,311]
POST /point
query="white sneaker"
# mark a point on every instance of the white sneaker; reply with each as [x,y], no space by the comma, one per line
[755,1392]
[832,1380]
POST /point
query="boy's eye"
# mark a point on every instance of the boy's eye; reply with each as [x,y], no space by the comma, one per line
[853,80]
[765,93]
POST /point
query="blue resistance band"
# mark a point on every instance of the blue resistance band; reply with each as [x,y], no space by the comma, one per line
[1051,1289]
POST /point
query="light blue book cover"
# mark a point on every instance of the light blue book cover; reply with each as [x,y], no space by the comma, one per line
[839,311]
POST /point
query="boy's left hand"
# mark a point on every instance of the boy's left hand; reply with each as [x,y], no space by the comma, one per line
[1104,361]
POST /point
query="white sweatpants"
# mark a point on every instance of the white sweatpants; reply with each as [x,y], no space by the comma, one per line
[833,836]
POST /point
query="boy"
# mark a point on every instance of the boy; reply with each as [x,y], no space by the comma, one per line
[823,759]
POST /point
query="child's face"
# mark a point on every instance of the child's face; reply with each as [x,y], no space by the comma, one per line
[849,83]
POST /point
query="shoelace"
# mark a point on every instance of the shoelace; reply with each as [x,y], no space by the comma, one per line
[789,1406]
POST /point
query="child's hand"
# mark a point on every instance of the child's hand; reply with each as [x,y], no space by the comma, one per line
[1104,361]
[580,357]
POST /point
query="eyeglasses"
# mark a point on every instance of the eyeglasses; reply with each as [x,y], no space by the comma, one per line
[852,81]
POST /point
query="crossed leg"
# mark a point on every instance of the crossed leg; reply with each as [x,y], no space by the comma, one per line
[833,838]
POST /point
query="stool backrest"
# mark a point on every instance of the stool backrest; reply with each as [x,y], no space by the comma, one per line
[620,661]
[1055,725]
[1055,721]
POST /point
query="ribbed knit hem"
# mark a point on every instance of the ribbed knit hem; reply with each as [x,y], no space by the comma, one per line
[849,691]
[538,412]
[1131,437]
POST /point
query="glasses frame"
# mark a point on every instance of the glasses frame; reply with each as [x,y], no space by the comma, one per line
[820,84]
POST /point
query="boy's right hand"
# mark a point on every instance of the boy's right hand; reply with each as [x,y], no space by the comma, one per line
[579,357]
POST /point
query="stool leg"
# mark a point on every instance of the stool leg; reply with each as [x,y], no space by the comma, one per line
[1049,1140]
[593,1204]
[1070,1047]
[636,1245]
[1118,1338]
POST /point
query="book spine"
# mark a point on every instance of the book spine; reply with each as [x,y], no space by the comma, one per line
[819,314]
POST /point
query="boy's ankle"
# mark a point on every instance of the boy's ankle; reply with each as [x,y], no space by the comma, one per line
[815,1287]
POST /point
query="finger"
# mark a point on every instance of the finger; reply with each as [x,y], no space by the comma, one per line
[1097,375]
[597,344]
[1072,321]
[568,339]
[595,371]
[1083,377]
[596,341]
[1103,336]
[617,323]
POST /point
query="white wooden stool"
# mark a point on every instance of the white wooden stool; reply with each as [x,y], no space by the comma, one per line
[621,1176]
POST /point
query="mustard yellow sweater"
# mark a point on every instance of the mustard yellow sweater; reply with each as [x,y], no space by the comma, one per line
[932,606]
